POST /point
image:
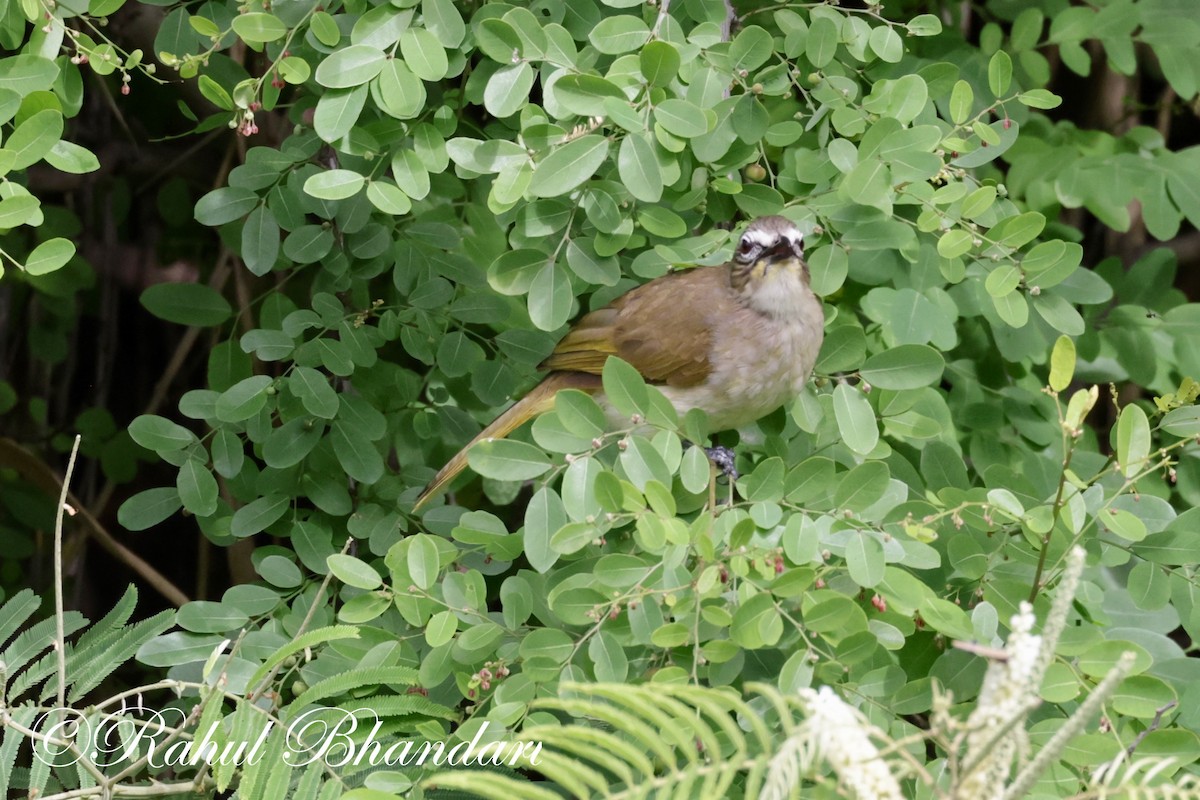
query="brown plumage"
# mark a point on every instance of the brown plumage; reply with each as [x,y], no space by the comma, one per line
[736,340]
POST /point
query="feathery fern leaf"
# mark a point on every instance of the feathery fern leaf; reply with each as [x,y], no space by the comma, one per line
[30,643]
[10,743]
[640,741]
[15,611]
[90,663]
[355,679]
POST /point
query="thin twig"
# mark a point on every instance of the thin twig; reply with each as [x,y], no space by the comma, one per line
[60,637]
[664,8]
[731,16]
[1153,726]
[32,469]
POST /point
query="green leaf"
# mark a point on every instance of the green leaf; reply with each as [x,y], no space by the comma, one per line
[339,109]
[334,184]
[507,90]
[946,618]
[49,256]
[585,94]
[1122,523]
[350,66]
[69,157]
[544,516]
[34,138]
[1017,231]
[1183,422]
[159,434]
[962,100]
[288,444]
[855,419]
[388,198]
[624,387]
[955,243]
[1062,363]
[638,167]
[1013,308]
[325,29]
[443,21]
[206,616]
[1003,280]
[424,54]
[27,73]
[314,391]
[257,515]
[402,94]
[887,44]
[864,559]
[869,184]
[580,414]
[550,297]
[999,73]
[260,241]
[507,460]
[225,205]
[659,62]
[829,265]
[498,40]
[244,399]
[568,166]
[978,202]
[259,27]
[1040,98]
[186,304]
[862,486]
[1133,439]
[20,209]
[682,118]
[907,366]
[148,508]
[197,488]
[822,42]
[441,628]
[572,537]
[354,571]
[924,25]
[619,34]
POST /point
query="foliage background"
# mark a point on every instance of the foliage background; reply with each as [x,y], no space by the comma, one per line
[312,248]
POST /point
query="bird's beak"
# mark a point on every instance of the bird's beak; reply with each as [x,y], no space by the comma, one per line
[784,249]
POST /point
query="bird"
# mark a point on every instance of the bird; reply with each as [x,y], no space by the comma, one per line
[737,340]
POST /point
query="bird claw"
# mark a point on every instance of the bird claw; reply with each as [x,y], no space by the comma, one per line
[723,459]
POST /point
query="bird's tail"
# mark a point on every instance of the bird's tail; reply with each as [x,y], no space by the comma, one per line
[539,400]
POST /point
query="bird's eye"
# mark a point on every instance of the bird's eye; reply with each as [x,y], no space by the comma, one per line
[746,246]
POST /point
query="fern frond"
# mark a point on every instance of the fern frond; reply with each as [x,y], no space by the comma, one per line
[114,619]
[310,639]
[37,638]
[257,775]
[356,679]
[39,776]
[665,741]
[10,743]
[309,783]
[489,785]
[90,663]
[400,705]
[15,611]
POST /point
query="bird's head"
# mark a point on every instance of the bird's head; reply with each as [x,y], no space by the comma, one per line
[768,267]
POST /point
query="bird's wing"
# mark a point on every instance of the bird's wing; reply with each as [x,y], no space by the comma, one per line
[663,329]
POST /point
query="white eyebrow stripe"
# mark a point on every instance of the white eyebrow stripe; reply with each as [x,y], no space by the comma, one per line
[759,237]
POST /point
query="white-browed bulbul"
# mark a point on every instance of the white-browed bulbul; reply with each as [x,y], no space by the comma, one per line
[737,340]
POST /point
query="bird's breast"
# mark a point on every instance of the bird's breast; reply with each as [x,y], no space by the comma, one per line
[758,364]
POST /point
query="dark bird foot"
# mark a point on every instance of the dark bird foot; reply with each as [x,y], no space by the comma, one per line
[723,459]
